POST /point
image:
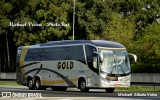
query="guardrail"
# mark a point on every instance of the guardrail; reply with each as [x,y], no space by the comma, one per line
[140,79]
[146,84]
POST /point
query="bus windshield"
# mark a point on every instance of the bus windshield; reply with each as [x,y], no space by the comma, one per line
[115,62]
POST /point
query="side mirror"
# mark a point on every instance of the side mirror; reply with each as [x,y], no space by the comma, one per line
[134,56]
[101,58]
[95,62]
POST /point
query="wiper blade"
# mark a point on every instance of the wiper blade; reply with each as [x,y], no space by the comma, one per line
[113,66]
[122,69]
[121,66]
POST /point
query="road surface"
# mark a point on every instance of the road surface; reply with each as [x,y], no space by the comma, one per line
[22,92]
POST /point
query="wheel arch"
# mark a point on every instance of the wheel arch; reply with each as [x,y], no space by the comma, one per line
[37,77]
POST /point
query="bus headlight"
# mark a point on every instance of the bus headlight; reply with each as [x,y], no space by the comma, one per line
[111,78]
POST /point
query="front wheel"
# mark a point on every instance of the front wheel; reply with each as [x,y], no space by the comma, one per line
[109,90]
[82,86]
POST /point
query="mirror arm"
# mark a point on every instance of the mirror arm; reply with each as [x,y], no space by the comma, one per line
[97,53]
[100,56]
[134,56]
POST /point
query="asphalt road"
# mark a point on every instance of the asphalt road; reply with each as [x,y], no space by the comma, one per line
[20,92]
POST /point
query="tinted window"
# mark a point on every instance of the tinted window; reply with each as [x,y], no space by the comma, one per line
[33,55]
[90,55]
[90,52]
[63,53]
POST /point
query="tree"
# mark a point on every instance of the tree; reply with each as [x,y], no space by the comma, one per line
[31,22]
[121,30]
[148,48]
[91,17]
[5,34]
[46,21]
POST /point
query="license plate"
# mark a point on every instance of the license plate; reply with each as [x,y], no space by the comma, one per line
[117,85]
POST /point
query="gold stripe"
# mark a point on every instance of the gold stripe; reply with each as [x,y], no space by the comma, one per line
[51,82]
[74,79]
[22,57]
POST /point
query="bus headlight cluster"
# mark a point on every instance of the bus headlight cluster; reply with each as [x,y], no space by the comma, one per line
[111,78]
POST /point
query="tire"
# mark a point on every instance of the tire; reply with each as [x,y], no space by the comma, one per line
[38,85]
[109,90]
[30,84]
[82,86]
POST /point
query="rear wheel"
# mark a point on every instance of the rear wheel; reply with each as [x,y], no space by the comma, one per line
[30,84]
[38,85]
[82,86]
[109,90]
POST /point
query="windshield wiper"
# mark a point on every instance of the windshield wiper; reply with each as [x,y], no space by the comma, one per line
[121,66]
[114,65]
[122,69]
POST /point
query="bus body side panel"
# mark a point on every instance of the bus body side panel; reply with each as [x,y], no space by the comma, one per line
[62,61]
[59,66]
[55,66]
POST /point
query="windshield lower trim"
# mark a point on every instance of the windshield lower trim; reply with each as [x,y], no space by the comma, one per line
[116,75]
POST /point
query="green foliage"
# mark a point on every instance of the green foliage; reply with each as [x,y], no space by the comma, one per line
[148,48]
[9,83]
[120,29]
[140,88]
[43,13]
[91,19]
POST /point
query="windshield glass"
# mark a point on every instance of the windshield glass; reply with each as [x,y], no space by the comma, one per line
[115,62]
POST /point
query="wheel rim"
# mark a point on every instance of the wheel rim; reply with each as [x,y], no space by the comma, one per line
[37,84]
[83,85]
[30,83]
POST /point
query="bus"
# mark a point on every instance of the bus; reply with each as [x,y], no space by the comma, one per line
[84,64]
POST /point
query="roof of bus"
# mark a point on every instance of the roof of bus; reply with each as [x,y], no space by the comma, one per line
[99,43]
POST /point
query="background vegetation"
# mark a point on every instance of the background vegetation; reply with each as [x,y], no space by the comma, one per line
[134,23]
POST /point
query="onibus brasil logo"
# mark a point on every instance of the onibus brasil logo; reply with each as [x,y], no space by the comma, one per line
[20,94]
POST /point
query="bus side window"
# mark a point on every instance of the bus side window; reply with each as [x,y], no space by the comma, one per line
[33,55]
[91,56]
